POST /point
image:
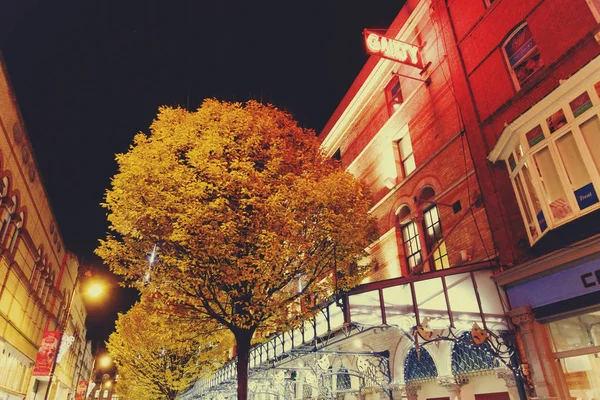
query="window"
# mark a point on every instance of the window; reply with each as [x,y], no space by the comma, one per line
[434,238]
[522,55]
[393,95]
[412,244]
[97,394]
[555,165]
[407,158]
[10,209]
[576,342]
[105,394]
[15,233]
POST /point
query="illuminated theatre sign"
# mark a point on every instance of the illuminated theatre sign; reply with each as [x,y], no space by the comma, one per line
[392,49]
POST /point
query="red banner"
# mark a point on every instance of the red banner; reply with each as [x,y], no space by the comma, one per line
[81,390]
[46,353]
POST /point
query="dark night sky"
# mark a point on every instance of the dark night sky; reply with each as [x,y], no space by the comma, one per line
[90,74]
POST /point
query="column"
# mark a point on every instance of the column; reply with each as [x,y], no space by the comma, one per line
[412,391]
[510,381]
[397,390]
[538,356]
[453,386]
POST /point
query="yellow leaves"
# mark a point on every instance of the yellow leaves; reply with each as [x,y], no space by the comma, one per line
[241,204]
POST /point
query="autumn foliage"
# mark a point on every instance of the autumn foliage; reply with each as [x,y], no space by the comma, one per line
[249,218]
[159,354]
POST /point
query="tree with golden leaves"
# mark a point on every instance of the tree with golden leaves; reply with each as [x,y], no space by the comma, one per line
[249,218]
[158,354]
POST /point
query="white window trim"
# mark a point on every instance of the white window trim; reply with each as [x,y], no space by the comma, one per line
[568,88]
[514,134]
[516,30]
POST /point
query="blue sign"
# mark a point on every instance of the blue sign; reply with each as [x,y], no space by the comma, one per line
[586,196]
[577,281]
[542,221]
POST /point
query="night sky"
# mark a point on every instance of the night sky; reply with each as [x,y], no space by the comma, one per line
[88,75]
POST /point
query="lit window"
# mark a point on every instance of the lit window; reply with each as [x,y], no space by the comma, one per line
[407,158]
[97,394]
[393,95]
[522,55]
[554,165]
[105,394]
[435,238]
[412,245]
[15,233]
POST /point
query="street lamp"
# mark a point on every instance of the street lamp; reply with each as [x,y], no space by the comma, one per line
[63,328]
[104,361]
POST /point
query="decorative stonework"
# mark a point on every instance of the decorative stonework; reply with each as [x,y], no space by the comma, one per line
[411,389]
[508,377]
[451,383]
[521,316]
[523,319]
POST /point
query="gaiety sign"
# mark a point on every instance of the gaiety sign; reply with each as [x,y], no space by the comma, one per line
[392,49]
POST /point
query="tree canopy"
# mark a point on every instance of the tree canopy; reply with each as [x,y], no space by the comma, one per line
[159,354]
[249,218]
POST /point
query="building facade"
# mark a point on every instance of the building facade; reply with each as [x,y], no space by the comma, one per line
[528,81]
[429,322]
[36,271]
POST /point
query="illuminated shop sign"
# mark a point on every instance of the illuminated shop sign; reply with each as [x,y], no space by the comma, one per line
[573,282]
[392,49]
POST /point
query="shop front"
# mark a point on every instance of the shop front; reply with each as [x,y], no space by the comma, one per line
[555,302]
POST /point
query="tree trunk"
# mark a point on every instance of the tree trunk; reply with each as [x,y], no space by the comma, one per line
[242,340]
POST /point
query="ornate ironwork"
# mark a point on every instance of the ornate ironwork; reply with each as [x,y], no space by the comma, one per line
[480,347]
[419,366]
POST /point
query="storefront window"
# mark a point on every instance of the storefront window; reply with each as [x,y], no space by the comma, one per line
[576,343]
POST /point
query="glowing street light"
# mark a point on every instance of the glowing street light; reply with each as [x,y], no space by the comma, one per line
[95,290]
[104,361]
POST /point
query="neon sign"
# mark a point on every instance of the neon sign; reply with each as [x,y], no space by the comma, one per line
[392,49]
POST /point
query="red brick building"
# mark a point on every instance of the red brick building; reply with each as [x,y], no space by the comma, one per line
[475,123]
[527,80]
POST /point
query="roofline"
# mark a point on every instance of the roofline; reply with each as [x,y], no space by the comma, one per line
[403,15]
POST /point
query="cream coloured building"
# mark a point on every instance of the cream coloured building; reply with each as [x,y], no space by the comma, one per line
[37,274]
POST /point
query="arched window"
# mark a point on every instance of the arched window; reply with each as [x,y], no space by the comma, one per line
[37,270]
[470,357]
[410,237]
[16,231]
[419,366]
[3,189]
[522,55]
[432,228]
[435,238]
[8,214]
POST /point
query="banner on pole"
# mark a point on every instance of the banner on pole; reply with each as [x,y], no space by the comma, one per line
[80,394]
[46,353]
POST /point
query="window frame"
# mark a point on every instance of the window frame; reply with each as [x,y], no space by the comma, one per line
[402,160]
[529,55]
[441,252]
[522,154]
[393,99]
[406,243]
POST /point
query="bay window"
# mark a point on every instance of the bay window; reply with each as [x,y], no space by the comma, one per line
[552,153]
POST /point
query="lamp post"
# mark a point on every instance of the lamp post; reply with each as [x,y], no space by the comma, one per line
[63,327]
